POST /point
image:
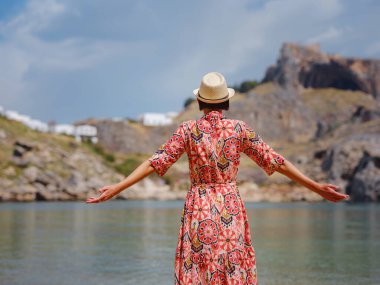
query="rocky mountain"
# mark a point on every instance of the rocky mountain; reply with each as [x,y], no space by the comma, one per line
[321,111]
[50,167]
[309,67]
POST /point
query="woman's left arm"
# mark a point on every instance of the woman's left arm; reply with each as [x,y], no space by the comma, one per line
[326,190]
[107,192]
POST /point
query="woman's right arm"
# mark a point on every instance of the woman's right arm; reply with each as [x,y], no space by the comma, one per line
[108,191]
[167,154]
[327,191]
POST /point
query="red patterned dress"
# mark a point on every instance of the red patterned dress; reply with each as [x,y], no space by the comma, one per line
[214,243]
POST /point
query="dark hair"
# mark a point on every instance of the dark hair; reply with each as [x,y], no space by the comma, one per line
[213,106]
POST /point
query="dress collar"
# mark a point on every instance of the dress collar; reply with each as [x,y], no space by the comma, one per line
[213,116]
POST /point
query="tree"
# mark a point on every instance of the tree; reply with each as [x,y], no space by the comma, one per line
[246,86]
[188,101]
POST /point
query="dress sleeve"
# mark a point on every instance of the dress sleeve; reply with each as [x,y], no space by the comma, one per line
[168,153]
[259,151]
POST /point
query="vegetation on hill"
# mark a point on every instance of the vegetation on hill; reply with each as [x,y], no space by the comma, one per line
[245,86]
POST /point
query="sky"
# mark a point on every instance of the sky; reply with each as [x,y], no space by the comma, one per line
[68,60]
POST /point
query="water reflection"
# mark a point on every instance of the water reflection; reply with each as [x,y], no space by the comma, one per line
[319,244]
[133,242]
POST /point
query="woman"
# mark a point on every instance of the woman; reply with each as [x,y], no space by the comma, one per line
[214,242]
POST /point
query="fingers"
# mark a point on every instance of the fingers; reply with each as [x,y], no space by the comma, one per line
[336,197]
[341,196]
[106,195]
[93,200]
[332,193]
[97,199]
[101,198]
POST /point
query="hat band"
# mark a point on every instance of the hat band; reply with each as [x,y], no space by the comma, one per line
[213,99]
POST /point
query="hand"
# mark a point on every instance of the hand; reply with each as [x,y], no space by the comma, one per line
[331,193]
[107,193]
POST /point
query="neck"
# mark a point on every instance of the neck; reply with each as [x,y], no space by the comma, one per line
[206,110]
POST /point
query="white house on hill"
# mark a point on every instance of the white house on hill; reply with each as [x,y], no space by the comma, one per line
[86,132]
[80,132]
[65,129]
[157,119]
[26,120]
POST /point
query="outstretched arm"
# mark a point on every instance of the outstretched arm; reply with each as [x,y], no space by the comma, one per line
[143,170]
[327,191]
[160,161]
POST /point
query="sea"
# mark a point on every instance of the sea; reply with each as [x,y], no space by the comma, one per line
[133,242]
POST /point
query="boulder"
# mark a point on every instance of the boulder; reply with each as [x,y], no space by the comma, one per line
[31,173]
[3,134]
[354,164]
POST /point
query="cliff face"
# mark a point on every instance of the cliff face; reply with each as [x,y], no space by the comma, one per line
[354,163]
[309,67]
[342,98]
[129,137]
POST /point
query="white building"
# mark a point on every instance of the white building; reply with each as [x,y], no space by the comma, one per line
[171,114]
[64,129]
[80,132]
[26,120]
[157,119]
[86,132]
[37,125]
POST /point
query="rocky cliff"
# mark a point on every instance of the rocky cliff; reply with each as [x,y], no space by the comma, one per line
[309,67]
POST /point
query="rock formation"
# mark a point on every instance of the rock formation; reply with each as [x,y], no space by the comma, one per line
[354,164]
[129,137]
[309,67]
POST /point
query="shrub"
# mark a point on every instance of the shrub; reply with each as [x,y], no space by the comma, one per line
[188,102]
[127,166]
[98,149]
[246,86]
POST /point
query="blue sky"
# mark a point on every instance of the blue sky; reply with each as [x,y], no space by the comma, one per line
[67,60]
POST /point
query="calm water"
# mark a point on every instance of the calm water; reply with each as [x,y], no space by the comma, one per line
[133,242]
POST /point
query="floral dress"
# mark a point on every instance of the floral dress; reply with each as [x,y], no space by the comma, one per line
[214,242]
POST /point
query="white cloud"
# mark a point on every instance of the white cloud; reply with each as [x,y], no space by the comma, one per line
[331,33]
[22,34]
[18,44]
[25,53]
[36,16]
[240,37]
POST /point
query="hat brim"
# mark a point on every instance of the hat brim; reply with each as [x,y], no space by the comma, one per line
[231,92]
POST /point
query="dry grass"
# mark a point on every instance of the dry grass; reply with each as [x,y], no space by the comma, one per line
[265,88]
[328,100]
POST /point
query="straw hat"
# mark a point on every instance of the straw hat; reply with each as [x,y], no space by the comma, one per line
[213,89]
